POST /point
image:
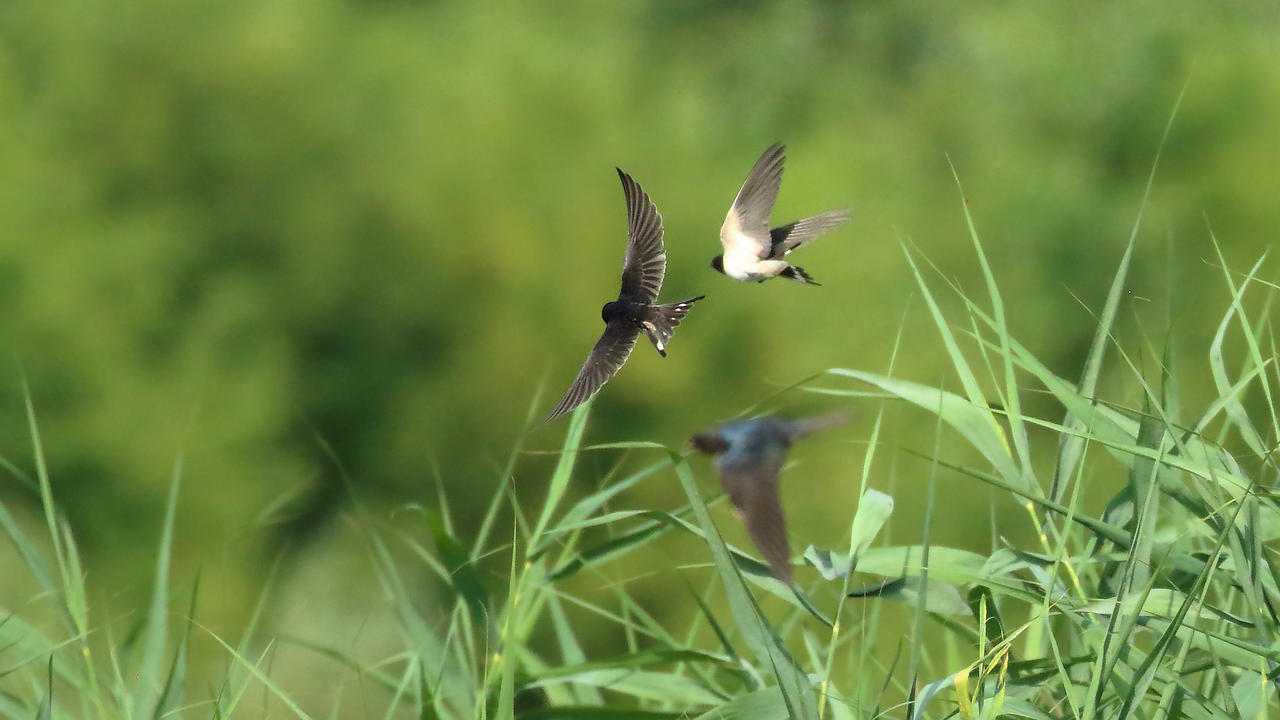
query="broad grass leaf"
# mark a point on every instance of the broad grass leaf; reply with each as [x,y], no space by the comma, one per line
[560,712]
[974,423]
[1161,603]
[1250,694]
[645,684]
[639,659]
[938,597]
[763,704]
[873,511]
[950,565]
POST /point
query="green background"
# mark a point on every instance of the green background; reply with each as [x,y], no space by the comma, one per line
[292,240]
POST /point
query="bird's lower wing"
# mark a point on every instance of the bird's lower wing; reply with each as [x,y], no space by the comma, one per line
[607,357]
[756,497]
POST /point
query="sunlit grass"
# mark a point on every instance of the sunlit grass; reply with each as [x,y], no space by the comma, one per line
[1163,603]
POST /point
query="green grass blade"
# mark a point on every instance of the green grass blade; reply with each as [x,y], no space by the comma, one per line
[981,410]
[763,704]
[31,556]
[1070,448]
[149,684]
[176,680]
[255,670]
[564,469]
[641,684]
[973,422]
[1011,394]
[756,631]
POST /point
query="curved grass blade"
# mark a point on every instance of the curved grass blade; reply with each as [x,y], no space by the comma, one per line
[973,422]
[759,635]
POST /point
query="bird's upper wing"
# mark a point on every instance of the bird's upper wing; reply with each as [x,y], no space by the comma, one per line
[804,427]
[607,357]
[788,237]
[746,227]
[646,261]
[753,489]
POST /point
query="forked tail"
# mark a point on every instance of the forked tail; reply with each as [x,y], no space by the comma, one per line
[797,273]
[663,320]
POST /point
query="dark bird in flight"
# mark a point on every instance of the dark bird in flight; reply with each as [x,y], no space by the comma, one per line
[753,252]
[749,454]
[635,310]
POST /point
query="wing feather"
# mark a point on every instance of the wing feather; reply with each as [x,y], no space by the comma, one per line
[753,489]
[646,261]
[788,237]
[607,357]
[746,227]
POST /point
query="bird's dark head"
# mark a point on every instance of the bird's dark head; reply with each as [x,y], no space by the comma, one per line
[710,442]
[717,263]
[610,310]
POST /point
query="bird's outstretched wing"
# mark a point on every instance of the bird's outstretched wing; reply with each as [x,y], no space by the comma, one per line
[753,489]
[608,356]
[646,261]
[788,237]
[746,227]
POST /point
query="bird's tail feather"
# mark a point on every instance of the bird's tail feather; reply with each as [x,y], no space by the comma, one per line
[663,321]
[797,273]
[792,235]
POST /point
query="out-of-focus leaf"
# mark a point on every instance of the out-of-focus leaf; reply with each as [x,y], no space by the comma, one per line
[462,575]
[763,704]
[982,604]
[873,511]
[973,422]
[646,684]
[938,598]
[635,660]
[1161,603]
[597,713]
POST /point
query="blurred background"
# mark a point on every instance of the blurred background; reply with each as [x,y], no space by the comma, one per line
[289,241]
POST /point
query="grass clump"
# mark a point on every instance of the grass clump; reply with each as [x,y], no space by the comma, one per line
[1160,604]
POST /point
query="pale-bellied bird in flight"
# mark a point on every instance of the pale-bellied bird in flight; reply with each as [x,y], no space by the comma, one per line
[635,310]
[753,252]
[749,455]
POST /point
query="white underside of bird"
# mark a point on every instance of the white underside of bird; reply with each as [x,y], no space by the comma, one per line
[742,261]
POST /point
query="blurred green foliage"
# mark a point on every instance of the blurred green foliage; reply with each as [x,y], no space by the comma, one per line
[249,232]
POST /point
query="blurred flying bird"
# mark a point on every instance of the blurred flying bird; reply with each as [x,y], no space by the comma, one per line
[749,455]
[635,310]
[753,252]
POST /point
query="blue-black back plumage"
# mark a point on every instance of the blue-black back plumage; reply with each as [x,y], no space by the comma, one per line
[749,455]
[643,270]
